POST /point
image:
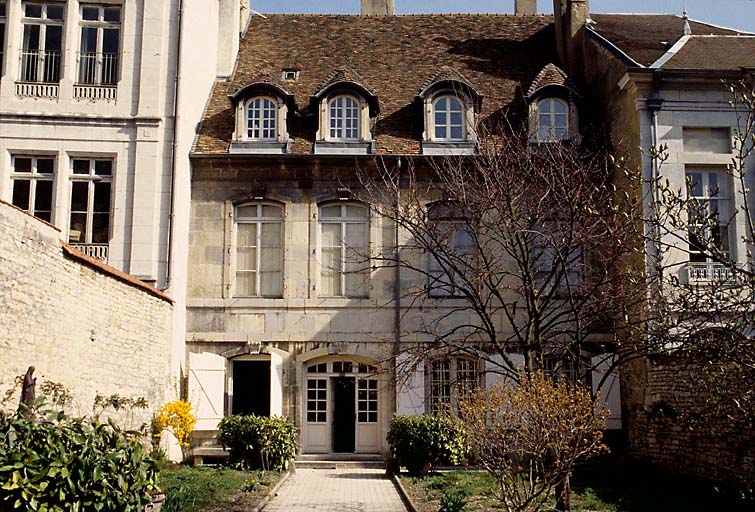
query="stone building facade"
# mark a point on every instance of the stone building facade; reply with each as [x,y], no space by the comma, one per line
[79,322]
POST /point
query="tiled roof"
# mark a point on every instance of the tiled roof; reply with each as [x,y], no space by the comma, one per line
[345,74]
[715,52]
[646,37]
[550,75]
[395,55]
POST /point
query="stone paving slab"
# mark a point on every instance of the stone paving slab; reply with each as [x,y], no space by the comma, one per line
[337,490]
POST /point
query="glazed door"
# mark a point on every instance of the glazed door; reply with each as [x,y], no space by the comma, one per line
[344,391]
[316,438]
[367,416]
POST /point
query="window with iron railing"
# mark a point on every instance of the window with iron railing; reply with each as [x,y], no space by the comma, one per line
[91,182]
[99,52]
[42,42]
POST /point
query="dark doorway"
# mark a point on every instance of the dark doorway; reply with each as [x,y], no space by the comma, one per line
[344,421]
[251,387]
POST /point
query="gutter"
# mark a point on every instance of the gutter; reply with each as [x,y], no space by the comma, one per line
[173,169]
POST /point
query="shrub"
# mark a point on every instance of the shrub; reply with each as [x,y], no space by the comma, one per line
[175,417]
[56,463]
[417,442]
[258,442]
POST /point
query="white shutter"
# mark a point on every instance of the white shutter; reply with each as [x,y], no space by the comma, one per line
[410,395]
[207,388]
[276,384]
[610,393]
[495,368]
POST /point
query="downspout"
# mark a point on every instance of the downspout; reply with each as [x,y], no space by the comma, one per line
[176,94]
[397,283]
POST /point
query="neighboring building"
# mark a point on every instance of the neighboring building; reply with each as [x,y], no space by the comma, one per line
[277,322]
[659,80]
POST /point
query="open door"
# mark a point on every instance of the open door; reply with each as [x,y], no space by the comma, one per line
[207,389]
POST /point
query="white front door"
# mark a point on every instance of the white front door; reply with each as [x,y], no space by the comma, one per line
[367,416]
[316,431]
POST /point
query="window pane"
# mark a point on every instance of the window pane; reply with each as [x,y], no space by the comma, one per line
[331,260]
[272,211]
[695,184]
[559,107]
[356,235]
[54,12]
[33,11]
[270,260]
[77,231]
[45,165]
[79,196]
[356,285]
[100,228]
[53,42]
[81,166]
[110,40]
[271,234]
[440,104]
[246,235]
[356,211]
[271,284]
[330,211]
[456,132]
[22,165]
[103,167]
[101,197]
[331,235]
[246,258]
[90,13]
[245,284]
[31,42]
[331,284]
[113,14]
[454,105]
[440,132]
[21,190]
[545,106]
[88,40]
[246,211]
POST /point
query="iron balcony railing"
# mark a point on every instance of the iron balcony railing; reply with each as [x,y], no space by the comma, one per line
[98,68]
[40,66]
[97,251]
[707,272]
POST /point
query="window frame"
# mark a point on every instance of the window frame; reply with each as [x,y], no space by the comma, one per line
[39,61]
[448,112]
[258,220]
[99,55]
[455,366]
[454,217]
[357,106]
[91,179]
[706,200]
[343,220]
[275,104]
[552,115]
[34,177]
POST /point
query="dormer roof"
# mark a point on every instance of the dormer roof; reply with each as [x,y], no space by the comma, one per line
[446,77]
[550,76]
[261,83]
[347,79]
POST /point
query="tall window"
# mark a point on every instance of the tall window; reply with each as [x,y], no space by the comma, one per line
[343,243]
[259,250]
[91,183]
[450,378]
[709,214]
[261,119]
[32,185]
[344,118]
[100,44]
[449,118]
[452,250]
[3,6]
[553,120]
[42,42]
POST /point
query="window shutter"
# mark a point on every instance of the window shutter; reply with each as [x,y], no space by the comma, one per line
[276,384]
[207,376]
[610,394]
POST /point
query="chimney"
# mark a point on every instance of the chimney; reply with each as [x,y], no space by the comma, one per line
[525,7]
[377,7]
[571,17]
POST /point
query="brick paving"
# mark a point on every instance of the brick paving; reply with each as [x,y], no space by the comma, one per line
[337,490]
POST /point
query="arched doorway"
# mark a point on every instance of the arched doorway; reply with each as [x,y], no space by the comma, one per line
[341,405]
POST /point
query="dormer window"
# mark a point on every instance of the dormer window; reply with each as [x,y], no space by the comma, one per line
[448,112]
[450,105]
[261,115]
[343,118]
[552,120]
[261,118]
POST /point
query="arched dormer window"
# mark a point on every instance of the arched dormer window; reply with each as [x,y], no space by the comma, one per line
[345,105]
[552,120]
[261,118]
[450,105]
[552,107]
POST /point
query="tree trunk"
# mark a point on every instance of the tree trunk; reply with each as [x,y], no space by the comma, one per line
[563,494]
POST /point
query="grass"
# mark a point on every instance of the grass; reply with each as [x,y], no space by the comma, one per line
[608,484]
[204,489]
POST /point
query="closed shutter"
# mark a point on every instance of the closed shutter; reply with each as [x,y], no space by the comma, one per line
[610,393]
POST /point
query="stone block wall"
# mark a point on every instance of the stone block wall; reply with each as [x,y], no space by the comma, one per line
[664,430]
[78,322]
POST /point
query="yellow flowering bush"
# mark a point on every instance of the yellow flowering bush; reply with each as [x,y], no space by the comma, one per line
[175,417]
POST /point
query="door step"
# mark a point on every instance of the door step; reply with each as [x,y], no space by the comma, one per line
[340,461]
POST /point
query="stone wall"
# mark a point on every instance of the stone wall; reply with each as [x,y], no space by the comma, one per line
[79,322]
[667,428]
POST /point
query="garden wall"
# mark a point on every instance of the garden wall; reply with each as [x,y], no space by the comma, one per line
[79,322]
[667,428]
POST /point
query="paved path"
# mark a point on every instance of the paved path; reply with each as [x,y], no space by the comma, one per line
[337,490]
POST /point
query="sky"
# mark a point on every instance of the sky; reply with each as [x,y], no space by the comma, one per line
[739,14]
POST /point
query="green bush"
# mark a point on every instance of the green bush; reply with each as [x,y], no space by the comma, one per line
[417,442]
[258,442]
[50,462]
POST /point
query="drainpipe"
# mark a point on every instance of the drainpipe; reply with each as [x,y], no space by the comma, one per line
[397,285]
[176,94]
